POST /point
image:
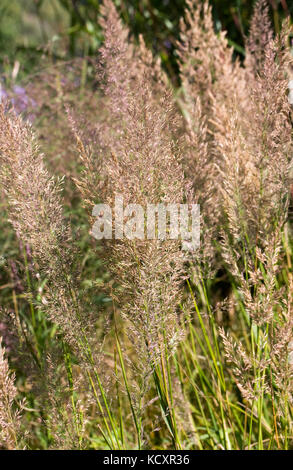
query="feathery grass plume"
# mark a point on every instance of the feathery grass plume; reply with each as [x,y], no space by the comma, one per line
[208,75]
[260,35]
[201,172]
[35,212]
[52,89]
[263,371]
[257,158]
[205,58]
[208,72]
[122,65]
[142,166]
[201,51]
[10,418]
[116,56]
[91,149]
[119,63]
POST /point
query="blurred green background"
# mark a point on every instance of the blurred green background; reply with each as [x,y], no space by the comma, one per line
[31,29]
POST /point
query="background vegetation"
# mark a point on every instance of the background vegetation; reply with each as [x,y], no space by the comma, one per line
[30,29]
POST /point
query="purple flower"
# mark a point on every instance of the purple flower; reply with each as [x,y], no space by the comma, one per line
[167,44]
[3,94]
[21,101]
[18,90]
